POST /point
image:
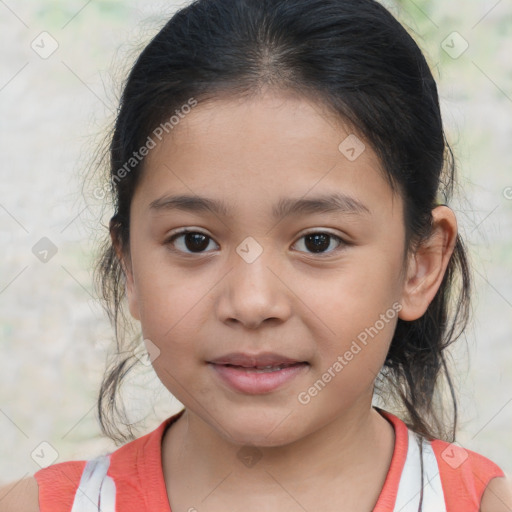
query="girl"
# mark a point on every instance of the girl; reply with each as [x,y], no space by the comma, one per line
[275,169]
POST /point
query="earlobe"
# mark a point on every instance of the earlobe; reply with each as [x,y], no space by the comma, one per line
[427,265]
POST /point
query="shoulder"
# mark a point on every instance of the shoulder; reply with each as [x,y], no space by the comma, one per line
[497,495]
[470,480]
[54,488]
[58,484]
[20,496]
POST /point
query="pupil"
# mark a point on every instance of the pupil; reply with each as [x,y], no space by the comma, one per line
[318,242]
[198,241]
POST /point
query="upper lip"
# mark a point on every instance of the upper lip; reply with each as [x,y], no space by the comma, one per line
[254,360]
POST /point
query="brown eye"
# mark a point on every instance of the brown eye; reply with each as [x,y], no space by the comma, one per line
[191,241]
[319,242]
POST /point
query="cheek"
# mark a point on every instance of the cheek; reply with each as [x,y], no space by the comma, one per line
[347,363]
[358,309]
[170,299]
[171,319]
[355,297]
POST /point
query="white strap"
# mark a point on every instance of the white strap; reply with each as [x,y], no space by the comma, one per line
[409,489]
[97,491]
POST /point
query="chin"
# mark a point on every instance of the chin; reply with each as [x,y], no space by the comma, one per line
[265,429]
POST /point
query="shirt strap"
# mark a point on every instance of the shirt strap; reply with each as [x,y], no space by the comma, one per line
[96,491]
[409,489]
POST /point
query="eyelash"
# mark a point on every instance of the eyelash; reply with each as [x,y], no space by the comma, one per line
[342,242]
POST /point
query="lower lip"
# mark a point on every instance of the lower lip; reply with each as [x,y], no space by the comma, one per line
[254,383]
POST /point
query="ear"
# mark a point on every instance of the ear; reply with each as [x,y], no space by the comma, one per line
[427,265]
[125,262]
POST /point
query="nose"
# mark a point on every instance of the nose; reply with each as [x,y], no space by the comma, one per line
[254,293]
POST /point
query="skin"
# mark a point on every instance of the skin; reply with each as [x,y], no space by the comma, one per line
[196,307]
[334,452]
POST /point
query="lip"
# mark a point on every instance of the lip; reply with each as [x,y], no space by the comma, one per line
[254,360]
[245,373]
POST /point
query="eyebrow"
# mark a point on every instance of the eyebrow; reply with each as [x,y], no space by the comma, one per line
[336,202]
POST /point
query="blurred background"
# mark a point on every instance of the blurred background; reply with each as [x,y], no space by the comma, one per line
[62,68]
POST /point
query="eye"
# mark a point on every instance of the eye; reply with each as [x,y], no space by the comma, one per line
[196,242]
[193,241]
[319,241]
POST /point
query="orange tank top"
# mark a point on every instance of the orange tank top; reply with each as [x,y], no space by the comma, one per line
[131,478]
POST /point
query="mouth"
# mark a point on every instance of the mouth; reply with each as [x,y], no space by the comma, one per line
[264,360]
[257,374]
[262,369]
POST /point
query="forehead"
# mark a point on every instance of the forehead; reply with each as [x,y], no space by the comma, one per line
[254,152]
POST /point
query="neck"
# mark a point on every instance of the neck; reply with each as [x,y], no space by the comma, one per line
[348,452]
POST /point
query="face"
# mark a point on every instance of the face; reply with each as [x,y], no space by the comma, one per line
[295,264]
